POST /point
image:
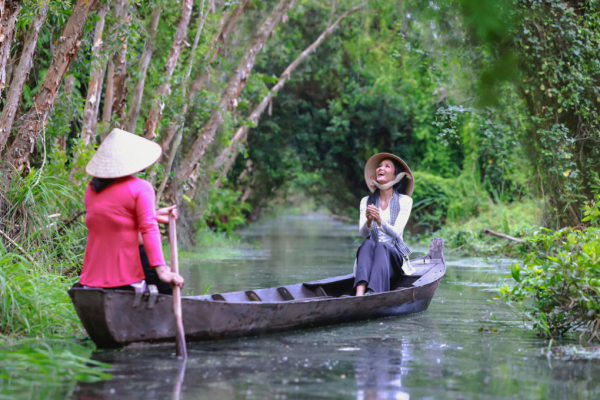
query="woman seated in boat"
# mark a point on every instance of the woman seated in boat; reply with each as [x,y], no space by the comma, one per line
[119,207]
[383,216]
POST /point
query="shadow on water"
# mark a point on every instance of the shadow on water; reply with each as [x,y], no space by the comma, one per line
[440,354]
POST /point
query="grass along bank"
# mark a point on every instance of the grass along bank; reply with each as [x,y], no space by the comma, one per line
[43,240]
[519,219]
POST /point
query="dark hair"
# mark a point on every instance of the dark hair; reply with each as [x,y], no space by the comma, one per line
[399,187]
[99,184]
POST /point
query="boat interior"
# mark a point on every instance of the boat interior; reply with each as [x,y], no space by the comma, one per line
[335,287]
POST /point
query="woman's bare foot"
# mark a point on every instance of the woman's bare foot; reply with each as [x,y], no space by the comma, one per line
[360,289]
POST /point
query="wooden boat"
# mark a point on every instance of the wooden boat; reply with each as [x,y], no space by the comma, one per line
[117,318]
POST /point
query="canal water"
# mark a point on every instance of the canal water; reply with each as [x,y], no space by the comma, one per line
[464,347]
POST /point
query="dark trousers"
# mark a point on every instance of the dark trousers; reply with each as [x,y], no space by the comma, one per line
[152,276]
[376,264]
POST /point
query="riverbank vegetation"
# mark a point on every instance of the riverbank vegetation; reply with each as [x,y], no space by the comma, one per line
[494,105]
[558,284]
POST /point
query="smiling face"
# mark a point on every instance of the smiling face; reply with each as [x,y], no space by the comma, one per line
[385,172]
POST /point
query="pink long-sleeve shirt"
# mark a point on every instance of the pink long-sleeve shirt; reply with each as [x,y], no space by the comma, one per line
[114,218]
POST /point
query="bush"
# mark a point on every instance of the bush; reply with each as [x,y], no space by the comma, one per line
[558,285]
[439,200]
[224,211]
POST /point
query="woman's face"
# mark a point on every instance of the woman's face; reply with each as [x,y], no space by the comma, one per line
[385,172]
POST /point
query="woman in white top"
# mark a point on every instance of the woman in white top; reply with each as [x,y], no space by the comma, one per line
[383,216]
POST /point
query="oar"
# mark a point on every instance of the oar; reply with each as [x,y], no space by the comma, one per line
[180,349]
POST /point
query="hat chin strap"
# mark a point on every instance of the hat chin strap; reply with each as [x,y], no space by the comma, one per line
[392,183]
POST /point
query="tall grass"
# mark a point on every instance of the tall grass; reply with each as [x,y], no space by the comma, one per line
[33,301]
[43,243]
[43,214]
[41,251]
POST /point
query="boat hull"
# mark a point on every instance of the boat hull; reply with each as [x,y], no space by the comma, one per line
[113,319]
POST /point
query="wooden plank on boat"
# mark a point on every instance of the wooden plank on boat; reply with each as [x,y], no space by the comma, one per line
[252,295]
[287,296]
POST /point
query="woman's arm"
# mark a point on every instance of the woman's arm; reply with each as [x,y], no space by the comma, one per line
[148,226]
[162,214]
[397,230]
[162,217]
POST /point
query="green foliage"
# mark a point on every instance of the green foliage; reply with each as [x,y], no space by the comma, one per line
[33,301]
[591,212]
[224,211]
[214,245]
[558,283]
[44,212]
[391,81]
[551,48]
[441,200]
[518,219]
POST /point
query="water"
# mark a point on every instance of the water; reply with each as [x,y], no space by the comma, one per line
[449,352]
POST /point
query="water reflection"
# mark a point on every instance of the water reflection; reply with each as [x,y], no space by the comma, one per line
[379,374]
[179,381]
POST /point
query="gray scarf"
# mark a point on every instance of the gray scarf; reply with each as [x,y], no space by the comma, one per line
[394,205]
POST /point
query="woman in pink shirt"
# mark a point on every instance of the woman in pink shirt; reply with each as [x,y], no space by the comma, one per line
[119,208]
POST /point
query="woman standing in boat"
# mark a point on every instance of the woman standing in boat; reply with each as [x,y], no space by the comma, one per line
[383,216]
[120,207]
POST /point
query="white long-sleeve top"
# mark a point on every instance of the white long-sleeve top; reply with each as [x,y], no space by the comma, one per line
[387,232]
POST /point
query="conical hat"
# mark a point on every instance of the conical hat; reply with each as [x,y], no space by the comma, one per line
[374,162]
[121,154]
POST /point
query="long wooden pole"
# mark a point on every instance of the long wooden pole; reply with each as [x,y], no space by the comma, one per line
[180,348]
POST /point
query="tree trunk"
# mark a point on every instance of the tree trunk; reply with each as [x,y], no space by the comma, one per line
[138,91]
[232,90]
[226,24]
[120,77]
[10,11]
[97,70]
[228,155]
[110,74]
[66,104]
[35,120]
[180,35]
[173,151]
[217,45]
[15,91]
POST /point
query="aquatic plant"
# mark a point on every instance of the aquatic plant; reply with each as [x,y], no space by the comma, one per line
[33,366]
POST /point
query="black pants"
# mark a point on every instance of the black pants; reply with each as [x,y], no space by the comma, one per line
[376,264]
[152,276]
